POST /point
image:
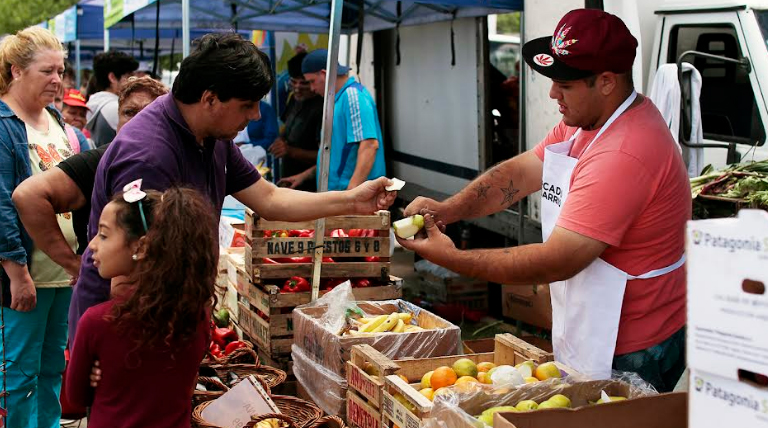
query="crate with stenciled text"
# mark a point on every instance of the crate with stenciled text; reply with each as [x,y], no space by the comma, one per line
[271,257]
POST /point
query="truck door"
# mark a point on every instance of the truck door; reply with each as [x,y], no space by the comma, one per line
[732,106]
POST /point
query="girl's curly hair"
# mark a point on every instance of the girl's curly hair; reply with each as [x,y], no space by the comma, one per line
[175,280]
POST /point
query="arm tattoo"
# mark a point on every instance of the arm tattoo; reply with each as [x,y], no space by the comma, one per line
[509,194]
[482,191]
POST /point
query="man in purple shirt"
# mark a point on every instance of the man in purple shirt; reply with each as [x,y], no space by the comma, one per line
[185,138]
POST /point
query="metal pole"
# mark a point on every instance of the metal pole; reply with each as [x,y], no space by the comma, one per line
[185,27]
[522,205]
[106,40]
[77,63]
[331,68]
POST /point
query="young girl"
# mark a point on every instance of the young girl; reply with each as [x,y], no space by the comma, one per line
[160,252]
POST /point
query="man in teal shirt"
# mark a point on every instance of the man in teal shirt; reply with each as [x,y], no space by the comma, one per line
[357,151]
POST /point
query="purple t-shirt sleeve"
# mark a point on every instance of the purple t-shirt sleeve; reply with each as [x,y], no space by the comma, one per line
[241,174]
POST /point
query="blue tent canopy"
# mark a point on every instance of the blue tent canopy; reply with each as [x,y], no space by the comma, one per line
[311,16]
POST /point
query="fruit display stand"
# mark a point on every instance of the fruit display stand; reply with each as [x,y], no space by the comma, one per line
[459,409]
[402,404]
[320,354]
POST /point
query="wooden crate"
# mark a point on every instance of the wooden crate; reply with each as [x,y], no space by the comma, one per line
[275,333]
[508,350]
[346,251]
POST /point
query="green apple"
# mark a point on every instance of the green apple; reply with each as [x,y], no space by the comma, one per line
[409,226]
[526,405]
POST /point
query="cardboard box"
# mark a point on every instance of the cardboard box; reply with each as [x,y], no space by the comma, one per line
[581,394]
[530,304]
[656,411]
[326,347]
[728,320]
[320,355]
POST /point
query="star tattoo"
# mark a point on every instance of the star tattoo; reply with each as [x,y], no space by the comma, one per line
[509,194]
[482,191]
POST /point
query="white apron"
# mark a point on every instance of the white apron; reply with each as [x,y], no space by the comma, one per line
[586,308]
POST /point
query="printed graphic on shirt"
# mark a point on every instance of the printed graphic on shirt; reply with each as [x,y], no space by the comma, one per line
[46,150]
[552,193]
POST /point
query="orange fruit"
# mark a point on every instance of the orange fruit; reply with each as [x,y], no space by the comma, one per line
[405,379]
[442,377]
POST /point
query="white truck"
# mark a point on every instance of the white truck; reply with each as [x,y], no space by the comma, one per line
[438,119]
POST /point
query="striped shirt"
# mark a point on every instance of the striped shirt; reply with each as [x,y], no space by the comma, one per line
[354,119]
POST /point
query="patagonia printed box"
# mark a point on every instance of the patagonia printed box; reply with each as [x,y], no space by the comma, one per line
[727,336]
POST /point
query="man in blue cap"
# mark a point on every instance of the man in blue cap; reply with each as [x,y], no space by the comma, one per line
[357,151]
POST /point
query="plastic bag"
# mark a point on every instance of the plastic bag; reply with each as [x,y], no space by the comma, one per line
[254,154]
[326,388]
[320,353]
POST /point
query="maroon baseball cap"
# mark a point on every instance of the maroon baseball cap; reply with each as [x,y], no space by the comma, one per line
[586,42]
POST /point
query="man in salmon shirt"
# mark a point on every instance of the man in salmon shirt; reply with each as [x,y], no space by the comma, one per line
[615,200]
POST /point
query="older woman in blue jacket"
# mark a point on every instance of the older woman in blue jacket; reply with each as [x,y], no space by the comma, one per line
[37,291]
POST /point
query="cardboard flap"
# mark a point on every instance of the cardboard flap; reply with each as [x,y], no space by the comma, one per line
[658,411]
[727,304]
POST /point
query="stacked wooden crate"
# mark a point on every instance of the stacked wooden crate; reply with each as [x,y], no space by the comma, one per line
[265,311]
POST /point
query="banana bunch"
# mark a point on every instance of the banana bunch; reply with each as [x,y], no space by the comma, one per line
[271,423]
[396,322]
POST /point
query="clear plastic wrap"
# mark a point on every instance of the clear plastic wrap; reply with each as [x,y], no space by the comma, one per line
[317,330]
[458,408]
[326,389]
[320,352]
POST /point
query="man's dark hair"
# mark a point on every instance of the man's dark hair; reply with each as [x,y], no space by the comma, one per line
[227,65]
[294,66]
[111,62]
[69,72]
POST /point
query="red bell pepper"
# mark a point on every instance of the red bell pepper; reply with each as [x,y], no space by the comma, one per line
[268,261]
[361,283]
[356,233]
[222,336]
[338,233]
[267,233]
[328,260]
[216,351]
[328,284]
[373,259]
[234,345]
[295,285]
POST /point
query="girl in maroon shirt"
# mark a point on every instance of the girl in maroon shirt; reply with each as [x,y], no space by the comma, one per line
[160,252]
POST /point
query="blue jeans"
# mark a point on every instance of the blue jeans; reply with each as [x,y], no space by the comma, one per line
[35,360]
[660,365]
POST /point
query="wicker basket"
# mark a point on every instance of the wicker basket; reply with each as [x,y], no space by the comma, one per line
[329,422]
[270,375]
[284,419]
[302,413]
[199,397]
[239,356]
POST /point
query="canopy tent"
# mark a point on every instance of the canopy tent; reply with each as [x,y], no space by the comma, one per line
[307,16]
[81,29]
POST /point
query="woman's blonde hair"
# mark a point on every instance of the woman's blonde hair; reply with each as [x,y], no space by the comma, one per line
[19,49]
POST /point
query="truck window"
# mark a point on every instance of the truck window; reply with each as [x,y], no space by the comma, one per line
[728,107]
